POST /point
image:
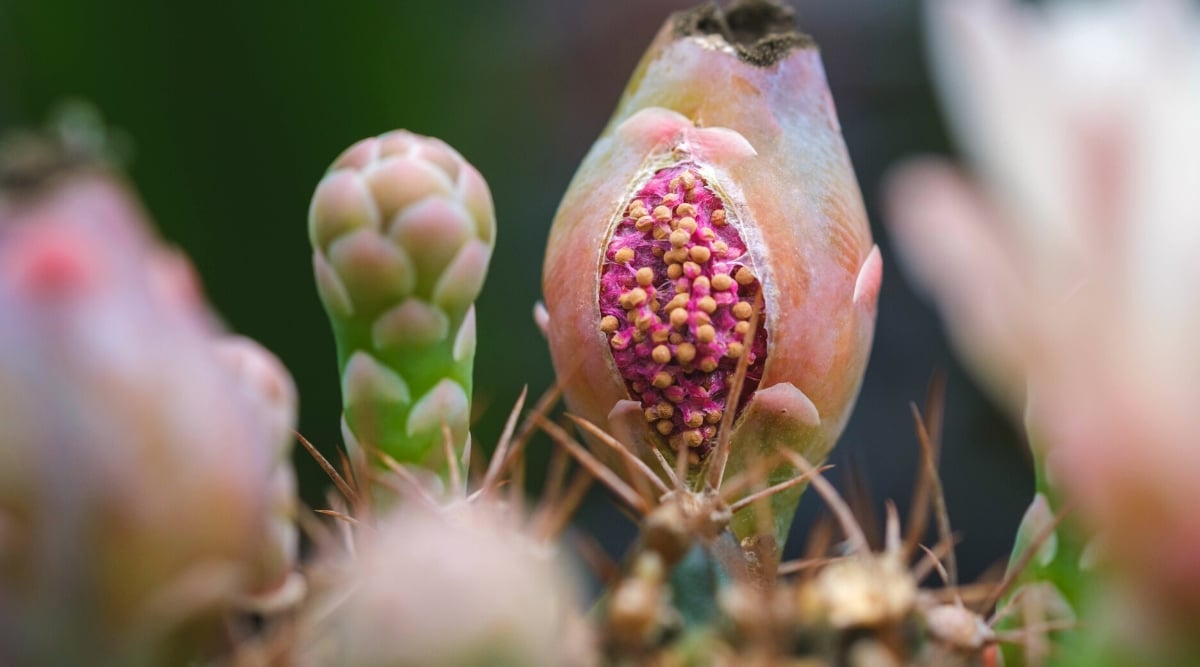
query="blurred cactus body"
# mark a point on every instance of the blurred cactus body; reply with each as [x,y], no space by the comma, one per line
[721,182]
[452,587]
[145,474]
[402,230]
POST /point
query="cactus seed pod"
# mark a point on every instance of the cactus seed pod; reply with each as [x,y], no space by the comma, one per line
[717,220]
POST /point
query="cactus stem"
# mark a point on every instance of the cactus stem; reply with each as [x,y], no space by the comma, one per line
[777,488]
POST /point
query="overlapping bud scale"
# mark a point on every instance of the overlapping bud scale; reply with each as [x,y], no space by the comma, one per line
[402,229]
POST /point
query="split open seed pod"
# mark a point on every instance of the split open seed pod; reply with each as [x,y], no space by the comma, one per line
[717,220]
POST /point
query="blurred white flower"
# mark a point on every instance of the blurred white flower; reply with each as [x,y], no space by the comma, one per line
[1068,278]
[145,480]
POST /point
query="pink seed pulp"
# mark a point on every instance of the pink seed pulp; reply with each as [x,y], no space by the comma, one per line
[676,299]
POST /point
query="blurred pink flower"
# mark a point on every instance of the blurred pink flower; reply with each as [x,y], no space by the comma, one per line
[1068,276]
[145,478]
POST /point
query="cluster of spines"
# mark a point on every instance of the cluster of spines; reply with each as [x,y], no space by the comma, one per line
[677,297]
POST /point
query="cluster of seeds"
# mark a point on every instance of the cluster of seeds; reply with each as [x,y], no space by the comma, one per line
[676,298]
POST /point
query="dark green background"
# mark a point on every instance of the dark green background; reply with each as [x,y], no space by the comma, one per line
[236,108]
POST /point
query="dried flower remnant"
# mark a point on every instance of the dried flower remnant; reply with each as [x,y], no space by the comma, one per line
[721,182]
[676,298]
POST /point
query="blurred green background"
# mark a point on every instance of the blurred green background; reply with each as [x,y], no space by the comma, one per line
[236,108]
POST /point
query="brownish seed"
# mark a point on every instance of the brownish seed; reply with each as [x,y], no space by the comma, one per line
[705,333]
[684,210]
[619,342]
[638,335]
[662,214]
[663,380]
[661,232]
[689,180]
[644,223]
[701,284]
[697,419]
[657,251]
[700,254]
[679,238]
[665,410]
[693,438]
[691,268]
[707,304]
[645,276]
[735,350]
[722,282]
[665,427]
[718,217]
[676,338]
[670,199]
[714,416]
[675,183]
[720,248]
[643,322]
[679,318]
[744,276]
[609,324]
[660,335]
[682,286]
[637,296]
[688,224]
[651,415]
[685,353]
[653,305]
[743,310]
[708,364]
[707,234]
[703,318]
[674,271]
[624,256]
[741,328]
[661,354]
[675,256]
[680,301]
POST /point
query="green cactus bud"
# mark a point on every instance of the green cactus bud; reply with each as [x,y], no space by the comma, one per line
[402,229]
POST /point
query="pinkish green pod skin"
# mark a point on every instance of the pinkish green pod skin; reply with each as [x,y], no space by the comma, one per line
[722,175]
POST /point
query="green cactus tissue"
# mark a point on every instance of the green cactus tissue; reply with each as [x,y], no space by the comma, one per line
[402,229]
